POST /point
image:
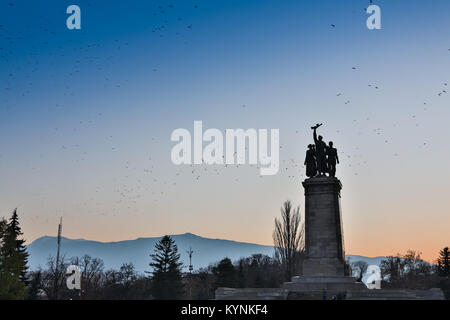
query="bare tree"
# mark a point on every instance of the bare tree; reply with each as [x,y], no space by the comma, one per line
[288,238]
[53,278]
[91,274]
[407,271]
[361,268]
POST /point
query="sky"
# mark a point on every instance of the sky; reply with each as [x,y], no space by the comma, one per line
[86,116]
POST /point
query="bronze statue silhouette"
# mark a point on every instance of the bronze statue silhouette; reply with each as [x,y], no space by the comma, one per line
[310,162]
[332,159]
[321,151]
[320,158]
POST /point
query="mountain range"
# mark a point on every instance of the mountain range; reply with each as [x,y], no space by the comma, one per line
[205,251]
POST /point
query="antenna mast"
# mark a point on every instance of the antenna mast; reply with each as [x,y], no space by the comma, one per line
[59,240]
[190,252]
[57,259]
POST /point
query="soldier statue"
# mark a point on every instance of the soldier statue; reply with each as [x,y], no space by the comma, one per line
[320,158]
[332,159]
[321,152]
[310,162]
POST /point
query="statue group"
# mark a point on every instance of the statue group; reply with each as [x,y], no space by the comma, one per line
[320,157]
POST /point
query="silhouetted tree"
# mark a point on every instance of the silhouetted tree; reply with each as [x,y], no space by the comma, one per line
[35,285]
[241,274]
[391,269]
[406,271]
[259,271]
[225,274]
[166,275]
[54,276]
[360,267]
[91,275]
[203,284]
[3,224]
[13,261]
[288,240]
[443,262]
[124,284]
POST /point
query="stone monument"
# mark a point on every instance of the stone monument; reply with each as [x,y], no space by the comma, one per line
[326,274]
[324,267]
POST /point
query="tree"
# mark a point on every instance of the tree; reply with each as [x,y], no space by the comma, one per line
[258,271]
[360,267]
[288,240]
[166,275]
[203,284]
[406,271]
[392,269]
[124,284]
[35,285]
[225,273]
[127,274]
[13,261]
[91,274]
[3,224]
[443,263]
[53,280]
[241,280]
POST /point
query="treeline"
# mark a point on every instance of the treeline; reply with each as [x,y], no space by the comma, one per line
[165,279]
[410,271]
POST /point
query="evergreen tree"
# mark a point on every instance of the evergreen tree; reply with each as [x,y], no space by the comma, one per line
[13,261]
[35,285]
[167,279]
[3,225]
[444,262]
[225,274]
[241,274]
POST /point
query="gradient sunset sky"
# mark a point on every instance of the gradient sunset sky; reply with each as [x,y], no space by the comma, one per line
[86,116]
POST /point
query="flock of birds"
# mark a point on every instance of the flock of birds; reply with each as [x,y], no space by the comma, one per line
[140,179]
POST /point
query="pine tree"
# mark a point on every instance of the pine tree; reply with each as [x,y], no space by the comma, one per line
[225,274]
[13,261]
[3,225]
[444,262]
[167,279]
[241,274]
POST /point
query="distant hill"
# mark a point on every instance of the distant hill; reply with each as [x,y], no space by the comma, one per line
[113,254]
[370,261]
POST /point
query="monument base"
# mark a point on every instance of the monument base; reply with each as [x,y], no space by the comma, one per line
[323,267]
[334,287]
[304,287]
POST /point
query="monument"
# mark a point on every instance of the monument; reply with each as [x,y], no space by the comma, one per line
[325,272]
[324,268]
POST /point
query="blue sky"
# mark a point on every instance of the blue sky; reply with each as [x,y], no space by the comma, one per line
[86,115]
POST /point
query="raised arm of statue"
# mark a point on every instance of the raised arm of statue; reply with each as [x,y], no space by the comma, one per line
[314,132]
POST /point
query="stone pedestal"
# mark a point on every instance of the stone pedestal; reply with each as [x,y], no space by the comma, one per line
[324,267]
[324,239]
